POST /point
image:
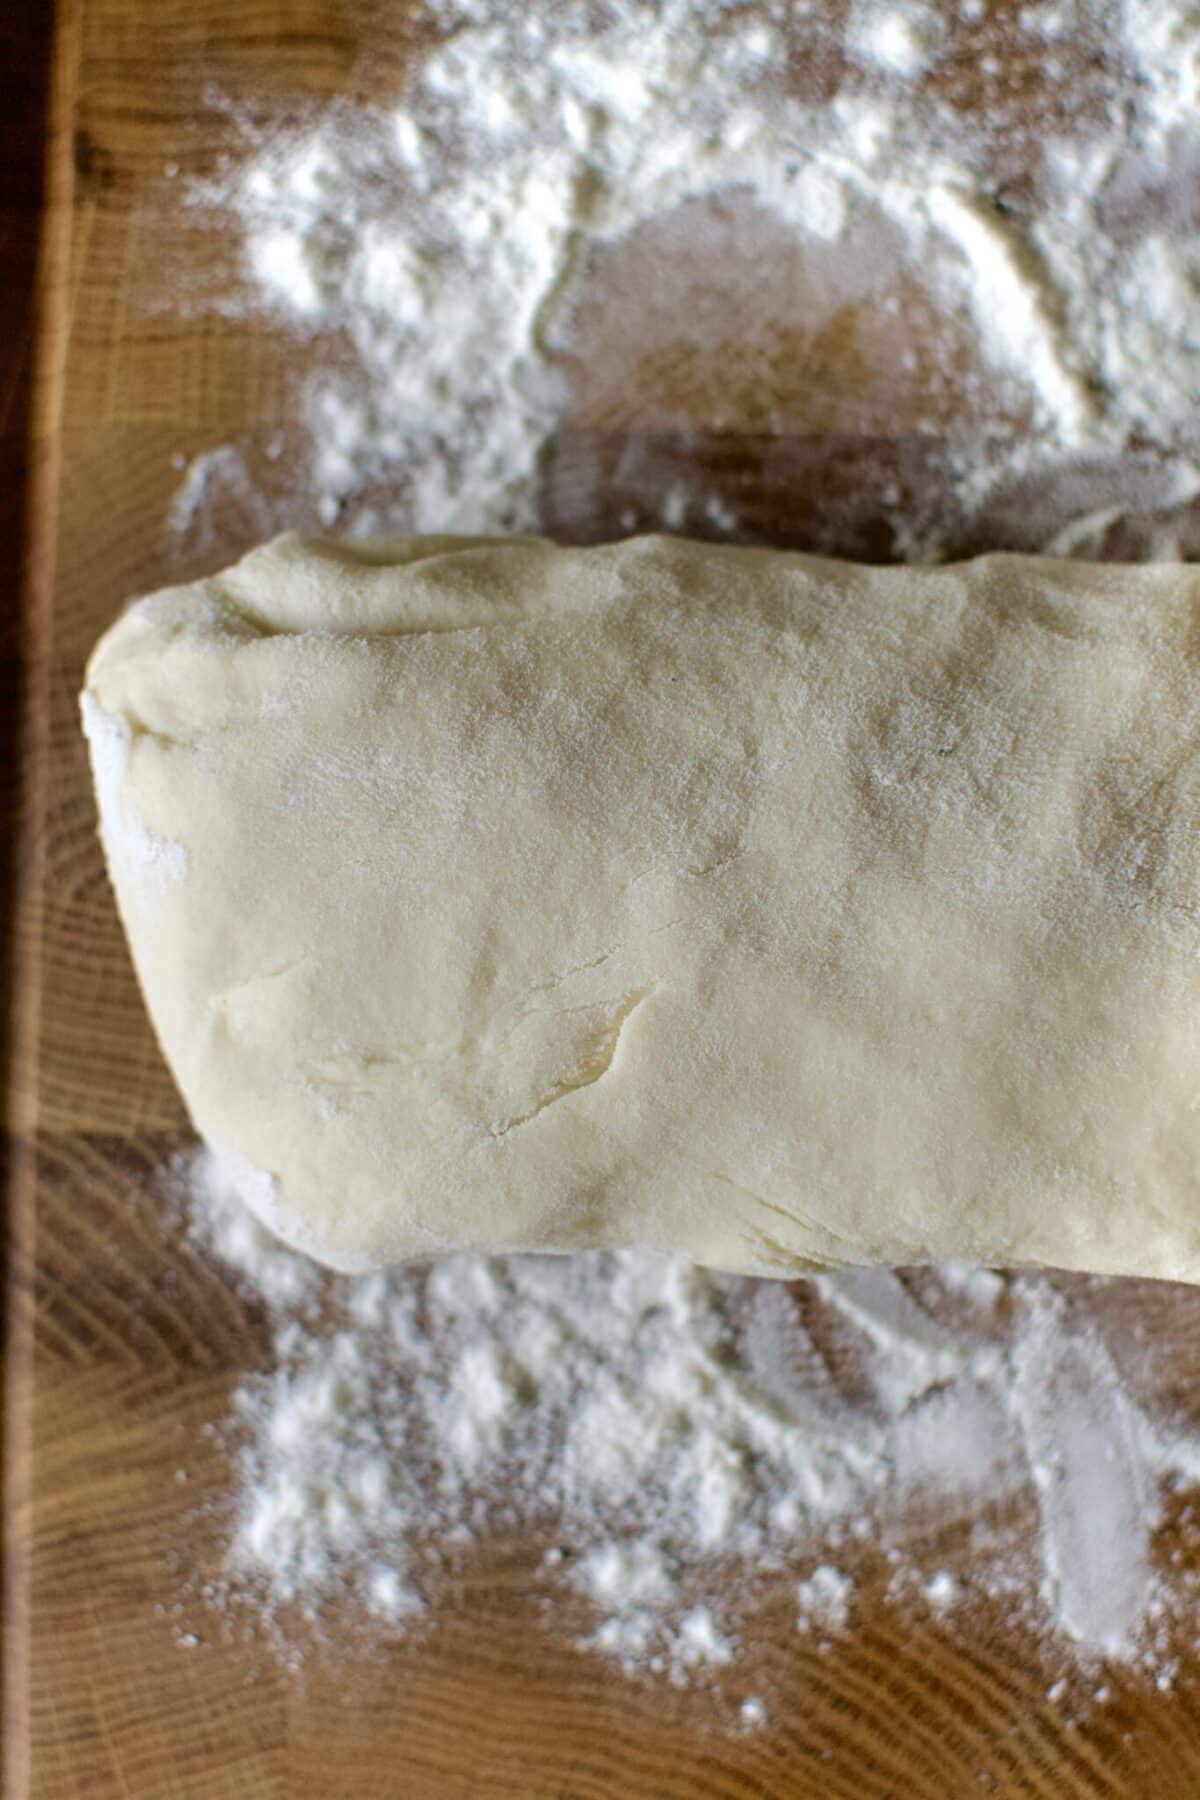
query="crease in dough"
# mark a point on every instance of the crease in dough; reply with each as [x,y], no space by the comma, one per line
[597,1059]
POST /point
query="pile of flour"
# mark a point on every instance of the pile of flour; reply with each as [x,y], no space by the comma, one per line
[629,221]
[685,1441]
[629,218]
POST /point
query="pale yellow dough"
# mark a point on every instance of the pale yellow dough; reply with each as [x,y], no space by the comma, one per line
[769,909]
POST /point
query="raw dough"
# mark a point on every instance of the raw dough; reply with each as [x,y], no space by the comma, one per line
[733,902]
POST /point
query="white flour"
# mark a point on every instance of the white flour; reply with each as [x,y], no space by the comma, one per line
[682,1439]
[568,201]
[902,40]
[639,223]
[154,860]
[824,1600]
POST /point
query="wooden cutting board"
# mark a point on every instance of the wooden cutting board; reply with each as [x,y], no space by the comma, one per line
[123,1345]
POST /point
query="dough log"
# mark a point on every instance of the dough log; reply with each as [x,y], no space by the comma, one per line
[739,903]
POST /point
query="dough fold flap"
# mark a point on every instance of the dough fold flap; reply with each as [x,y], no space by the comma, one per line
[777,911]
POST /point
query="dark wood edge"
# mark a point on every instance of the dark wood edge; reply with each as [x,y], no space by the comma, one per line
[39,65]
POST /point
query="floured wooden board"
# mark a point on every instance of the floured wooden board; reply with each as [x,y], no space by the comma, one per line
[127,1344]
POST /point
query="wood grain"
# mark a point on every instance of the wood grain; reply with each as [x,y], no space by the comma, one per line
[124,1344]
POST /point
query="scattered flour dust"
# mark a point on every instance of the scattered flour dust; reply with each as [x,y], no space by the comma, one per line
[561,200]
[684,1440]
[154,861]
[1025,254]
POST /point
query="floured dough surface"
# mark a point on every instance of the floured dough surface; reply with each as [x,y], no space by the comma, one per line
[769,909]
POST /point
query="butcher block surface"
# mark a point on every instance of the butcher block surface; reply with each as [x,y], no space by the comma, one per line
[124,1344]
